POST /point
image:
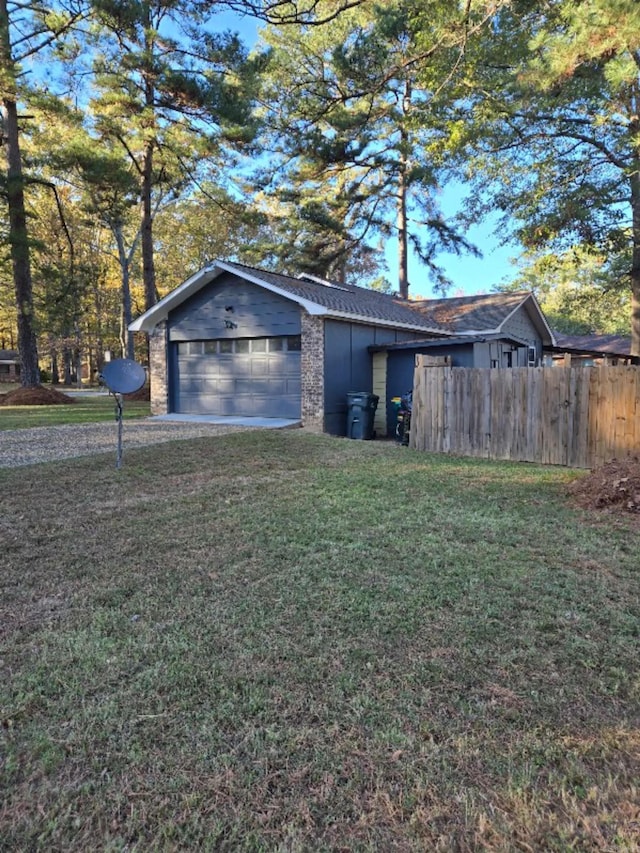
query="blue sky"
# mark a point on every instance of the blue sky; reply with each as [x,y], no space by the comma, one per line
[469,274]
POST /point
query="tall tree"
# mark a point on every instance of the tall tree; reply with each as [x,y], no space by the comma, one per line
[26,31]
[556,97]
[170,94]
[364,110]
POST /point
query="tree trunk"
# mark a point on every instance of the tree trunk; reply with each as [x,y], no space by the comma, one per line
[146,236]
[125,287]
[403,236]
[635,259]
[68,366]
[55,373]
[403,242]
[18,238]
[146,230]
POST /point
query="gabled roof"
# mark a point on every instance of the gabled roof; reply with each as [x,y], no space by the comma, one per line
[483,313]
[322,298]
[594,344]
[463,315]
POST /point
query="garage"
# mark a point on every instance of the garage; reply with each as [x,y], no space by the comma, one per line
[242,377]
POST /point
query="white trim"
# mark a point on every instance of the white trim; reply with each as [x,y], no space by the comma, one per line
[309,307]
[304,276]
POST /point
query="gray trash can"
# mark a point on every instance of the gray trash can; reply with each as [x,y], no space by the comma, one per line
[361,410]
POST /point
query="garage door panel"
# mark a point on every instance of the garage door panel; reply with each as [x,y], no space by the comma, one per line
[260,367]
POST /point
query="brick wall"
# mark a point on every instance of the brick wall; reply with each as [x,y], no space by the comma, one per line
[158,370]
[312,363]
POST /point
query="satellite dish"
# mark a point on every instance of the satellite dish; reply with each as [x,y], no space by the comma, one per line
[123,376]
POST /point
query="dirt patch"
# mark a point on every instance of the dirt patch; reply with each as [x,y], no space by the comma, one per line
[614,486]
[38,396]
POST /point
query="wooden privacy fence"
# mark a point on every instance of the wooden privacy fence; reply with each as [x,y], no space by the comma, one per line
[581,417]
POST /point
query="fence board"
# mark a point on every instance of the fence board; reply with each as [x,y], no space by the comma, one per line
[580,417]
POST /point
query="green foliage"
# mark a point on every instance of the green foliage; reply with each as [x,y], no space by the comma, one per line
[362,132]
[556,145]
[579,291]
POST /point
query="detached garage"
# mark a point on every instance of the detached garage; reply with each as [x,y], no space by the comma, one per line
[234,341]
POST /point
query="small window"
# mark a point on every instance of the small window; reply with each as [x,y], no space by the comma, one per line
[183,348]
[226,346]
[210,347]
[532,356]
[276,344]
[294,343]
[259,345]
[195,347]
[242,345]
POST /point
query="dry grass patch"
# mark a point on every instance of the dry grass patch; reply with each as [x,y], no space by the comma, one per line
[279,641]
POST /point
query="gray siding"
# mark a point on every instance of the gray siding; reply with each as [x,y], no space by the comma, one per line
[348,365]
[521,325]
[256,312]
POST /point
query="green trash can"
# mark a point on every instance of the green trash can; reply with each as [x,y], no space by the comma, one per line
[361,411]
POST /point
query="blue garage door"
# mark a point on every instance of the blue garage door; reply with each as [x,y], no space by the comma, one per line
[251,377]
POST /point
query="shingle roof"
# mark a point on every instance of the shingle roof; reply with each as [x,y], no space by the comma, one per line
[329,299]
[345,298]
[438,317]
[610,344]
[462,314]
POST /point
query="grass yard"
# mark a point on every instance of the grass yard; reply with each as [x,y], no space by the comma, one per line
[277,641]
[90,408]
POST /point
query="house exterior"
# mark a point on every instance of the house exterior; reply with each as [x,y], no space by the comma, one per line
[9,365]
[233,340]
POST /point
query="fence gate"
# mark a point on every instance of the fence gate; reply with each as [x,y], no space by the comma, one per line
[580,417]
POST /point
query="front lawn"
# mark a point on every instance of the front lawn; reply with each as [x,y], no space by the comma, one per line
[90,407]
[277,641]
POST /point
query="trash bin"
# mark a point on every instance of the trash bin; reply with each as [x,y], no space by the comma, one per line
[361,410]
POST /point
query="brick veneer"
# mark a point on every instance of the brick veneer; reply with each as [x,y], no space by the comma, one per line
[312,365]
[158,370]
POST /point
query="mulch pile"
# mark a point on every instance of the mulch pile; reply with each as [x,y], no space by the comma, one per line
[39,396]
[615,486]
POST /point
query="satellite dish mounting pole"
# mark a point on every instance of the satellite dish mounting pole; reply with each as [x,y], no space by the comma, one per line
[122,376]
[119,420]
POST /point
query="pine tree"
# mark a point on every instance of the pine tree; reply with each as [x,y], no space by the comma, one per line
[556,98]
[168,102]
[26,31]
[365,114]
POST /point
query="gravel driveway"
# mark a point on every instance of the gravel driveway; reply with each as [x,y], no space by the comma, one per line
[47,444]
